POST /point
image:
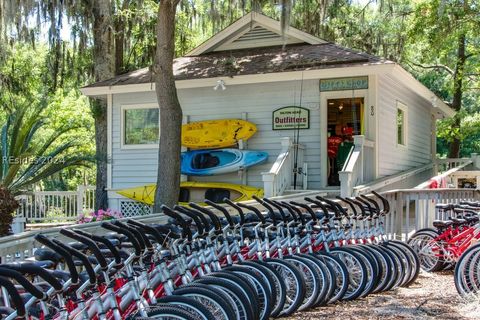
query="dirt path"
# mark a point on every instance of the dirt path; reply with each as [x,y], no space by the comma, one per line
[433,296]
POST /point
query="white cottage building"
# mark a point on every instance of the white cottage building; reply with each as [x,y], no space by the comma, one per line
[245,72]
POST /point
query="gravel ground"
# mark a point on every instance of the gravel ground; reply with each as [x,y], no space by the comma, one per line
[432,296]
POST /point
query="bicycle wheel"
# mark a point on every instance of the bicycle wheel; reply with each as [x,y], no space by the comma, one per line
[466,273]
[263,295]
[311,277]
[237,297]
[394,269]
[167,312]
[341,278]
[192,306]
[213,299]
[357,271]
[409,265]
[412,258]
[279,290]
[294,284]
[404,266]
[370,261]
[325,279]
[428,250]
[244,285]
[385,271]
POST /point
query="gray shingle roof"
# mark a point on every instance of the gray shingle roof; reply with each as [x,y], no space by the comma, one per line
[254,61]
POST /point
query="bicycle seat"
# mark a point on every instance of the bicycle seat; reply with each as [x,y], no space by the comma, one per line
[165,254]
[442,224]
[472,219]
[79,263]
[115,236]
[444,206]
[60,274]
[236,219]
[43,254]
[78,245]
[457,221]
[229,239]
[46,264]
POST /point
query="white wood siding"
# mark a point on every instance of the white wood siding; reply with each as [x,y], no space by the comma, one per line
[393,158]
[137,167]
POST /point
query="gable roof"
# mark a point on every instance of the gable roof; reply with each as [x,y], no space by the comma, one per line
[252,49]
[253,30]
[296,57]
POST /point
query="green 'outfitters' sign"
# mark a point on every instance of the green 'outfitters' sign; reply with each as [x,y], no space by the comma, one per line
[288,118]
[338,84]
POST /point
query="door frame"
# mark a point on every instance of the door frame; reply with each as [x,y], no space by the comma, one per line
[324,97]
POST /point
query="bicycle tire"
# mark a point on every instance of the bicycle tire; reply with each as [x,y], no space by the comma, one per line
[342,280]
[240,301]
[357,281]
[260,287]
[210,297]
[244,285]
[279,292]
[192,306]
[428,260]
[167,312]
[296,284]
[325,279]
[311,277]
[413,258]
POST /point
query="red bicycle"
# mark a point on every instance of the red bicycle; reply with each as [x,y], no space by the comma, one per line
[442,246]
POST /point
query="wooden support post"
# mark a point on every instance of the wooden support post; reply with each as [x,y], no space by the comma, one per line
[80,195]
[269,184]
[399,216]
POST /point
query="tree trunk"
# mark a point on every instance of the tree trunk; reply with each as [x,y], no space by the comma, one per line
[454,150]
[120,25]
[168,176]
[104,68]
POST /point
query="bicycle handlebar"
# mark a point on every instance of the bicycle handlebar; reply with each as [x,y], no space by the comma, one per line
[15,296]
[64,253]
[91,245]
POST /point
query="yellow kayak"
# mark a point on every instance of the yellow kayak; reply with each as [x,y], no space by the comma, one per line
[216,133]
[193,191]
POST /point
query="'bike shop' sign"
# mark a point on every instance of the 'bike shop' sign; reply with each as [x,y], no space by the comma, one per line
[339,84]
[289,118]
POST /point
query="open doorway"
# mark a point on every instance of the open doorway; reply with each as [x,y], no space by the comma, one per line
[345,120]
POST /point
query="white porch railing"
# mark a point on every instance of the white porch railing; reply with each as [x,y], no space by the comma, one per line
[447,167]
[359,167]
[413,209]
[280,176]
[448,164]
[55,206]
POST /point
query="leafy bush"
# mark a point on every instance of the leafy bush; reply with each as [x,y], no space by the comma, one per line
[8,205]
[100,215]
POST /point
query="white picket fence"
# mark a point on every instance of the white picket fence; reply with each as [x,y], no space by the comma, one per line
[55,206]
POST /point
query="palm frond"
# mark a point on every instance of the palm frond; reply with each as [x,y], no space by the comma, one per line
[17,125]
[40,161]
[52,168]
[5,153]
[28,139]
[53,138]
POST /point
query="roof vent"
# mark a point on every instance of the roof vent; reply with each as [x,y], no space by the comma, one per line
[258,33]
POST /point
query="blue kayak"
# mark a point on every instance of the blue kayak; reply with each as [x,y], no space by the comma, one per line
[219,161]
